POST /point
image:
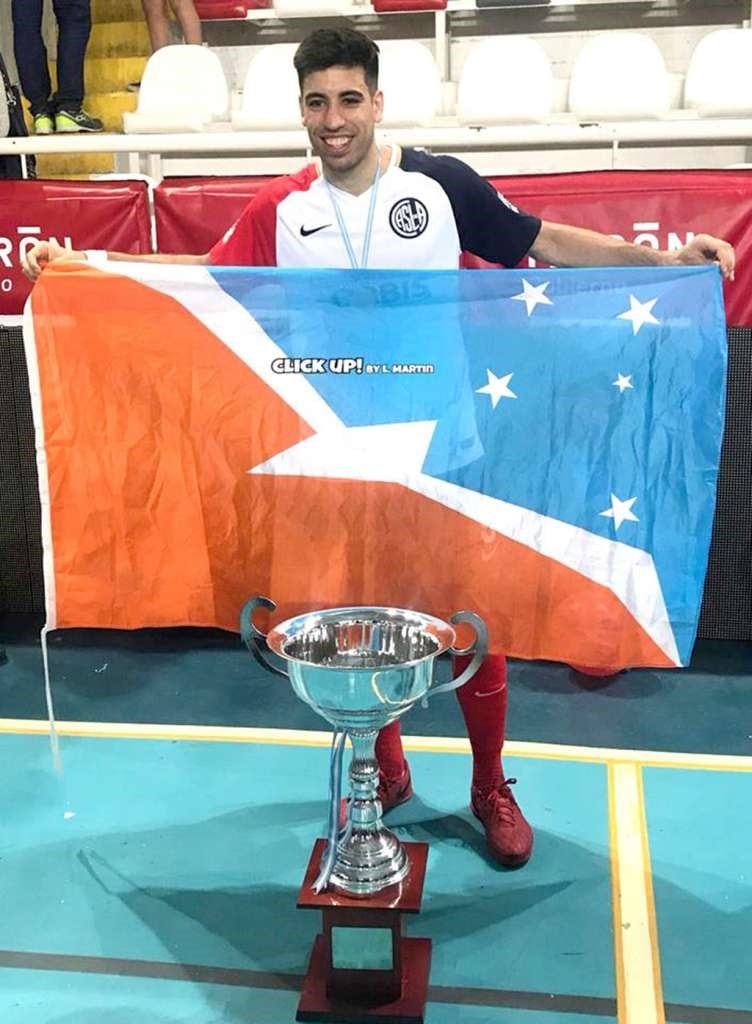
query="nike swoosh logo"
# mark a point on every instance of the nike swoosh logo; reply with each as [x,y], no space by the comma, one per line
[305,232]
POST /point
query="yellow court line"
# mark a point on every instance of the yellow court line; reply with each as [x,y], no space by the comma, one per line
[639,986]
[427,744]
[613,846]
[650,902]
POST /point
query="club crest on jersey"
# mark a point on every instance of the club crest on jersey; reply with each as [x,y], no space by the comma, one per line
[408,218]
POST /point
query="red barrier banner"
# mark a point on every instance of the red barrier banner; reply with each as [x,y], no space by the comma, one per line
[193,213]
[80,214]
[663,209]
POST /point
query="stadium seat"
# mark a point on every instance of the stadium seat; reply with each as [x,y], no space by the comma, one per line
[512,3]
[270,91]
[505,79]
[312,7]
[183,88]
[216,10]
[718,79]
[382,6]
[619,76]
[411,83]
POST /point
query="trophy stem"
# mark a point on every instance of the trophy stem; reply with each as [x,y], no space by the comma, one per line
[369,857]
[365,808]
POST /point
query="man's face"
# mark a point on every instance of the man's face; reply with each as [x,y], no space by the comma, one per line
[339,114]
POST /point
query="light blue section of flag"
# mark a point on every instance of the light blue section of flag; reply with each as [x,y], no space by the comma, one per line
[570,438]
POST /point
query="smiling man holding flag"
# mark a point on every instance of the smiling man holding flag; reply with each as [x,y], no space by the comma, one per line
[370,208]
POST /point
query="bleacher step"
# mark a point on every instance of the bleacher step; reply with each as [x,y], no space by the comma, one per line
[110,74]
[110,106]
[116,10]
[74,165]
[119,39]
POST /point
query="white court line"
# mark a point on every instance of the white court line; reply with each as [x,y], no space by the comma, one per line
[639,989]
[426,744]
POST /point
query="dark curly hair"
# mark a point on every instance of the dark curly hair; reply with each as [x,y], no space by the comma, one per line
[327,47]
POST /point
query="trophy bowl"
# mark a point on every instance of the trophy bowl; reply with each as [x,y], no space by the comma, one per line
[360,668]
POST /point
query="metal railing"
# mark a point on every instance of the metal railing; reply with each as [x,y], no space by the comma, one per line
[559,134]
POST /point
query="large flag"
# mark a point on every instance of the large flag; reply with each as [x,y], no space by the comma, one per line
[539,447]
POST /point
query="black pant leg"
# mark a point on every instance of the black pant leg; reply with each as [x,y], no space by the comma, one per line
[74,28]
[30,54]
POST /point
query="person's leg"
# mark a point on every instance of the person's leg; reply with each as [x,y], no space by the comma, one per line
[389,752]
[190,24]
[157,23]
[483,701]
[31,55]
[395,784]
[484,707]
[74,28]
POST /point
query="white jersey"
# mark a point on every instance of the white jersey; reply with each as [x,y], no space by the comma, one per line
[428,211]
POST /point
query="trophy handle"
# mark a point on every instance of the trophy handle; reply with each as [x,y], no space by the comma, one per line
[252,637]
[478,648]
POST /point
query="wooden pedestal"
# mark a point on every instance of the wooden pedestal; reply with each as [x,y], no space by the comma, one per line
[363,967]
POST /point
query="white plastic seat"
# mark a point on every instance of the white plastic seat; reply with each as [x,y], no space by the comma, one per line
[183,88]
[270,92]
[719,80]
[619,76]
[410,81]
[505,80]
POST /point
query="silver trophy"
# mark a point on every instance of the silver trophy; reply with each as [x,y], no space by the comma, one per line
[361,668]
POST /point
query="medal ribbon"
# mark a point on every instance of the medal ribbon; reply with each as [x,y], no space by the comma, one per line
[344,233]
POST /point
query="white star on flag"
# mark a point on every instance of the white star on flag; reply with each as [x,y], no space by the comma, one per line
[620,511]
[497,388]
[622,382]
[531,295]
[639,313]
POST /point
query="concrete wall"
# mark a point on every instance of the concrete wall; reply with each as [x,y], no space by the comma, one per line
[6,37]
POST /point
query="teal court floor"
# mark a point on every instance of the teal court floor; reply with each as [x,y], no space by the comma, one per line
[154,878]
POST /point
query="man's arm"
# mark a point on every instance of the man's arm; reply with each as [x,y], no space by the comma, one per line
[37,258]
[565,246]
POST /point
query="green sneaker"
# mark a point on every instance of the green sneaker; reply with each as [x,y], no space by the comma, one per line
[44,124]
[68,121]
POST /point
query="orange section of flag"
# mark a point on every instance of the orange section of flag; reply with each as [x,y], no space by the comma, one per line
[150,426]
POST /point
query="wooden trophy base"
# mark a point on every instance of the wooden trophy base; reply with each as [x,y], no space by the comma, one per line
[363,967]
[408,1008]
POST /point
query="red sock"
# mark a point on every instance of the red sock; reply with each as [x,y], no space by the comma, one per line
[484,707]
[389,752]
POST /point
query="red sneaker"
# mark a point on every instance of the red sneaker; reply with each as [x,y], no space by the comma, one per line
[509,836]
[391,793]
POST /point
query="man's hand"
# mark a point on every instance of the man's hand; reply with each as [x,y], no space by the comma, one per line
[707,249]
[37,258]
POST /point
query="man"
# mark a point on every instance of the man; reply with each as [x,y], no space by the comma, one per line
[394,208]
[62,112]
